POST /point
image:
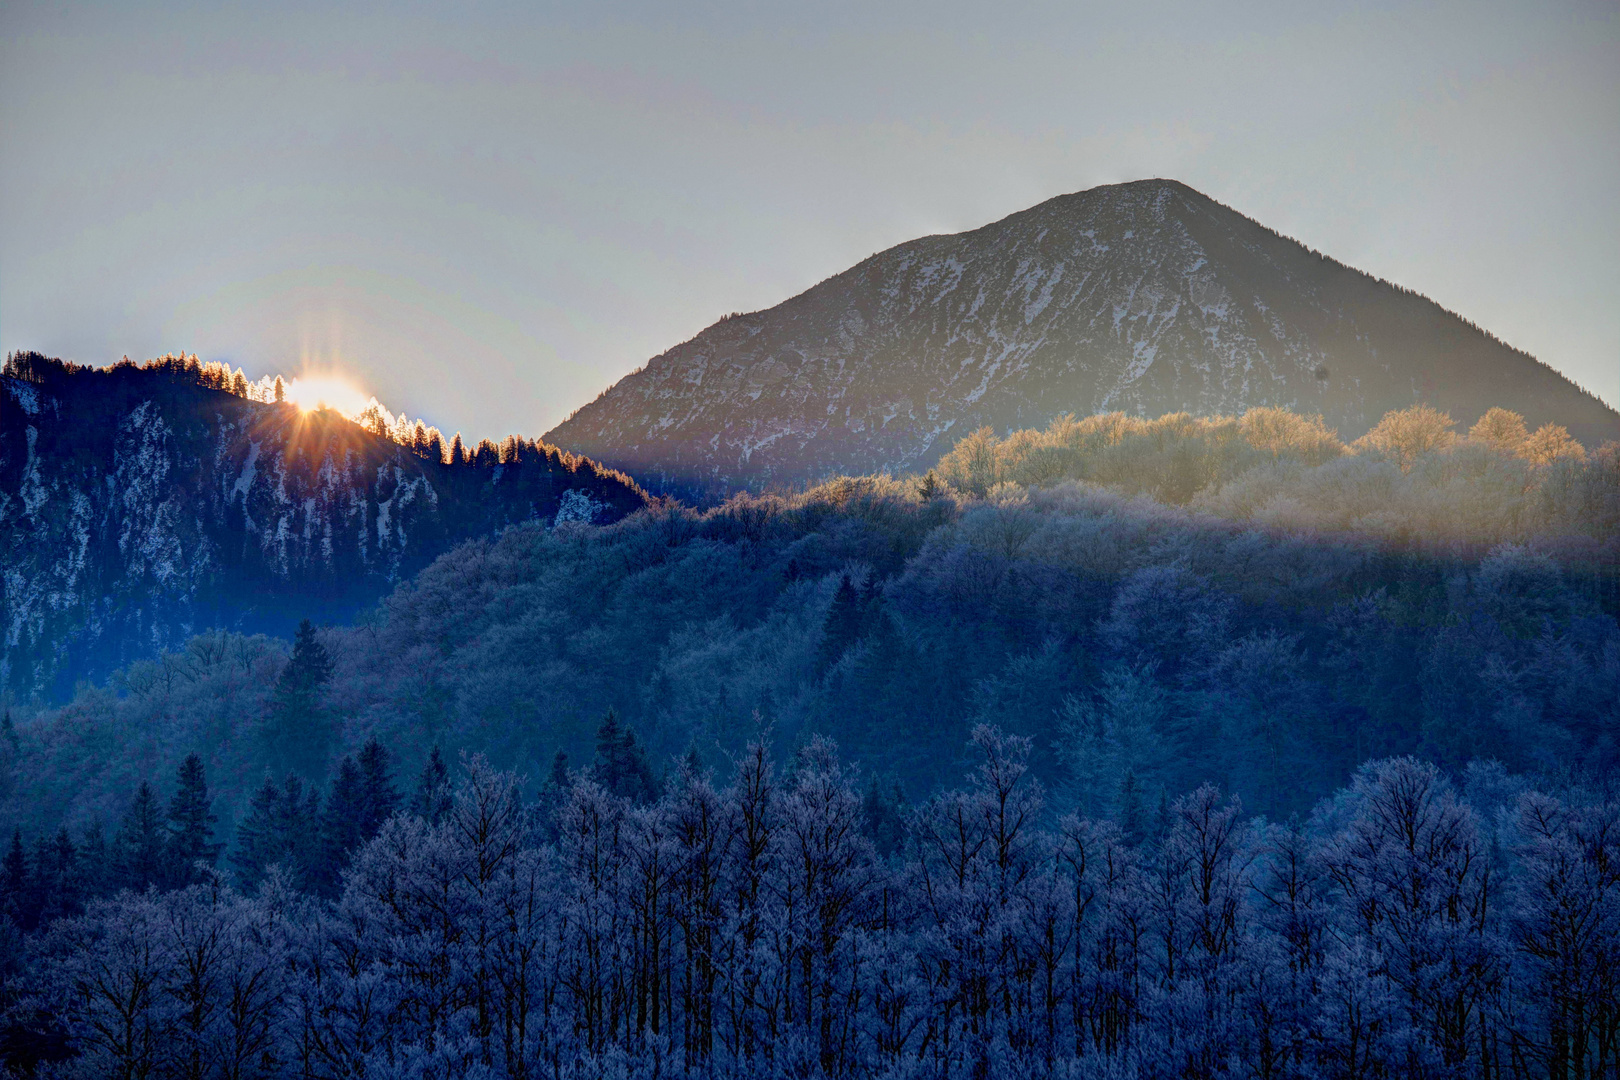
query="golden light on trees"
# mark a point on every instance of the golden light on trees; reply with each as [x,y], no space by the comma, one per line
[311,392]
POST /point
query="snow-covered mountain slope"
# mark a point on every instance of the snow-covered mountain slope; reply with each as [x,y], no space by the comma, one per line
[1146,297]
[137,510]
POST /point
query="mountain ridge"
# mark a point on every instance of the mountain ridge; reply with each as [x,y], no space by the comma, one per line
[1147,297]
[138,507]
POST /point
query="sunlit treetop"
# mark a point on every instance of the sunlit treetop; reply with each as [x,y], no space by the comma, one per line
[329,391]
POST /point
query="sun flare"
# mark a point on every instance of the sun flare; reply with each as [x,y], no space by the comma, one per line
[311,392]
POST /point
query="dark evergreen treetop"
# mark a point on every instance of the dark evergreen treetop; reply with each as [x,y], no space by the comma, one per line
[431,801]
[139,850]
[191,824]
[622,766]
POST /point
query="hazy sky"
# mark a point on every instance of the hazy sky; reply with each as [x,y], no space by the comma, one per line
[487,214]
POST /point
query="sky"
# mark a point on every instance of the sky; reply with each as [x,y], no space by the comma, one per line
[485,214]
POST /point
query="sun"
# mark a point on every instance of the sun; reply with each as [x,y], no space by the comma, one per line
[311,392]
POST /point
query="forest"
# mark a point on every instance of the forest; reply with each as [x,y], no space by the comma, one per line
[1124,747]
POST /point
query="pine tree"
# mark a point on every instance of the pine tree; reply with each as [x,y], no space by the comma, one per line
[191,826]
[15,887]
[458,452]
[8,730]
[298,731]
[622,767]
[1132,813]
[553,798]
[259,837]
[843,626]
[378,798]
[56,883]
[608,766]
[431,801]
[881,822]
[94,871]
[282,828]
[342,826]
[281,391]
[138,849]
[928,486]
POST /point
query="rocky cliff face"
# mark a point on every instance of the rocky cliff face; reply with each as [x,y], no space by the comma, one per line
[137,509]
[1145,297]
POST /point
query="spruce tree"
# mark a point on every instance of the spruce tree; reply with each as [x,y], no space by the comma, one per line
[300,829]
[191,826]
[621,764]
[282,828]
[1132,813]
[94,871]
[138,849]
[56,889]
[281,390]
[843,626]
[881,822]
[299,730]
[431,801]
[378,799]
[258,836]
[608,764]
[15,886]
[342,826]
[553,797]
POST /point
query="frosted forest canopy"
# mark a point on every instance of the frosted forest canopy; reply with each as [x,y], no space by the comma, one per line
[1127,610]
[1242,601]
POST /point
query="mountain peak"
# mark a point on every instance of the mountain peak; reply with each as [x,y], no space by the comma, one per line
[1146,297]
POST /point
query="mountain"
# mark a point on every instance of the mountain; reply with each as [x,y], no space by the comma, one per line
[138,507]
[1145,297]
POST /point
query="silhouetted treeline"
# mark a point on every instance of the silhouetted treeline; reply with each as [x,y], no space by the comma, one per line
[749,926]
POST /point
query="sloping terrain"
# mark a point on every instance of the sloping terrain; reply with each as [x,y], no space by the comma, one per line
[137,509]
[1145,297]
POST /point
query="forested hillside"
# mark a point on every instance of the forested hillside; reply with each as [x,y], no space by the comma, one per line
[1309,606]
[1141,642]
[142,504]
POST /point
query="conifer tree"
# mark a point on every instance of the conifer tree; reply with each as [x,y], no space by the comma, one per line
[1132,813]
[298,730]
[94,872]
[14,882]
[343,826]
[281,391]
[431,802]
[56,884]
[191,826]
[8,730]
[843,626]
[281,829]
[378,799]
[458,452]
[138,849]
[259,841]
[881,822]
[622,767]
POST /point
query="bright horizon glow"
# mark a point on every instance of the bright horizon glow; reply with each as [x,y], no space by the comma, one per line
[312,392]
